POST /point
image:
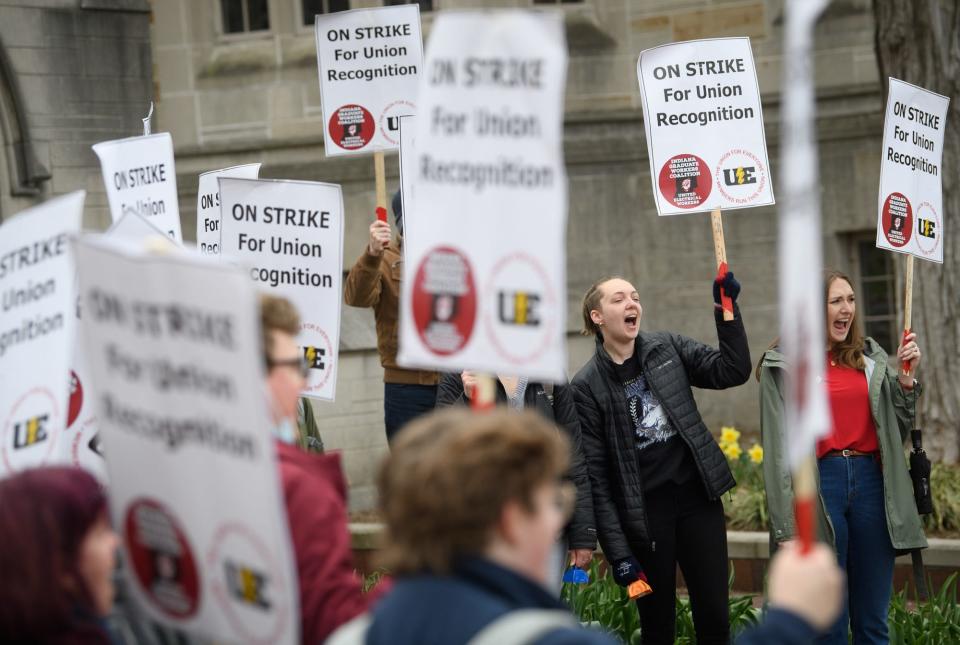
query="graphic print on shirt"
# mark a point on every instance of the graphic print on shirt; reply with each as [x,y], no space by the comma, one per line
[649,420]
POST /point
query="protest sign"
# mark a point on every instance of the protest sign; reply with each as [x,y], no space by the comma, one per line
[37,323]
[174,348]
[910,205]
[140,178]
[408,171]
[704,126]
[806,413]
[208,205]
[82,445]
[290,235]
[484,276]
[369,61]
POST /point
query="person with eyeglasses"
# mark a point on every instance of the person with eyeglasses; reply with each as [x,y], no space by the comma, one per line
[472,505]
[314,490]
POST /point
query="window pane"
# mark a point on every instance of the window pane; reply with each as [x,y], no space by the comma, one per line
[882,331]
[259,15]
[425,5]
[873,261]
[232,11]
[310,9]
[333,6]
[876,298]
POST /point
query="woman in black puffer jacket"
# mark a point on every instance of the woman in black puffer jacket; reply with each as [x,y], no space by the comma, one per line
[656,472]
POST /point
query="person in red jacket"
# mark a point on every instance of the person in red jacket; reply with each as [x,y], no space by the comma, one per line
[313,489]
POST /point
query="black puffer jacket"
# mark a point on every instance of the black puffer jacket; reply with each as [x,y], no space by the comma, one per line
[559,408]
[671,364]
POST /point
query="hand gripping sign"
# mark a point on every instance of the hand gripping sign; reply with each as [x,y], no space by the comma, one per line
[290,234]
[208,204]
[704,126]
[174,348]
[139,176]
[37,323]
[484,277]
[369,62]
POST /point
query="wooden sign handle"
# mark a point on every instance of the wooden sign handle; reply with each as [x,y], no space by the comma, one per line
[380,176]
[907,309]
[720,249]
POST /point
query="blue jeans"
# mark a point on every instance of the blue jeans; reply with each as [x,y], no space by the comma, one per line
[403,403]
[852,489]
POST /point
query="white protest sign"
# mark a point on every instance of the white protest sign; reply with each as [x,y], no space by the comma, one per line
[140,178]
[910,209]
[369,62]
[484,276]
[37,323]
[408,172]
[704,126]
[82,442]
[290,235]
[174,347]
[208,205]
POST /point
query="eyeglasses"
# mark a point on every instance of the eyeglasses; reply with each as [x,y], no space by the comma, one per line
[299,364]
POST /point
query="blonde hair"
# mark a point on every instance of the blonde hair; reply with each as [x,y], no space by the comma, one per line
[591,302]
[449,476]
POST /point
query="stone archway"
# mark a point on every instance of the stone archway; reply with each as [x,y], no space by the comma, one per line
[21,173]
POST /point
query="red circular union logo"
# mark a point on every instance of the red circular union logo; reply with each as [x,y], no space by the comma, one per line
[161,558]
[685,181]
[897,219]
[444,301]
[352,127]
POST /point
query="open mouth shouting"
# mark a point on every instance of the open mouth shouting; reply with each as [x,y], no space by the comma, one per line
[632,322]
[840,328]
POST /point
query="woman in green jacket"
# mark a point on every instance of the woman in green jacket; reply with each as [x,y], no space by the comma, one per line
[866,507]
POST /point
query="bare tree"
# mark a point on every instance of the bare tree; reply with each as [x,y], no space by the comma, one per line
[918,41]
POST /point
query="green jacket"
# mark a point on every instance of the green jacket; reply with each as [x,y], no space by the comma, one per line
[893,413]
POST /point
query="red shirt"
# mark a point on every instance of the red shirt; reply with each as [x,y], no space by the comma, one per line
[853,426]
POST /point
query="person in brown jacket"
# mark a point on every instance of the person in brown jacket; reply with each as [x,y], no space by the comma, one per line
[374,281]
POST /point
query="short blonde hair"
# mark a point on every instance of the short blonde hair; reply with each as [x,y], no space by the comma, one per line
[591,301]
[449,476]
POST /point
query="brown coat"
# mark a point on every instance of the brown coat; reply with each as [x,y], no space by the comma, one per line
[375,282]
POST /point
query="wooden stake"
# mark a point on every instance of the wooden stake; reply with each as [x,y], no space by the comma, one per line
[804,502]
[380,177]
[907,309]
[720,249]
[147,128]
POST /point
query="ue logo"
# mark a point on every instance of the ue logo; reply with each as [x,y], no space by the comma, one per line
[740,175]
[519,308]
[246,585]
[313,356]
[30,431]
[927,228]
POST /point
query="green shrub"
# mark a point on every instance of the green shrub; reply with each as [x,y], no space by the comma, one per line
[934,622]
[945,484]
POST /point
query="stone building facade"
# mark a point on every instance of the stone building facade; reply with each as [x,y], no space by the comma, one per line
[242,87]
[72,73]
[253,95]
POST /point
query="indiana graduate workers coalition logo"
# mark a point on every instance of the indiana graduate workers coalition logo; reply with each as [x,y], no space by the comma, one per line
[351,127]
[248,585]
[444,301]
[897,219]
[161,558]
[685,181]
[741,177]
[28,431]
[524,319]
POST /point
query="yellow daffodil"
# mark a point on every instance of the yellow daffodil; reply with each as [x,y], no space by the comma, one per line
[756,453]
[729,435]
[732,451]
